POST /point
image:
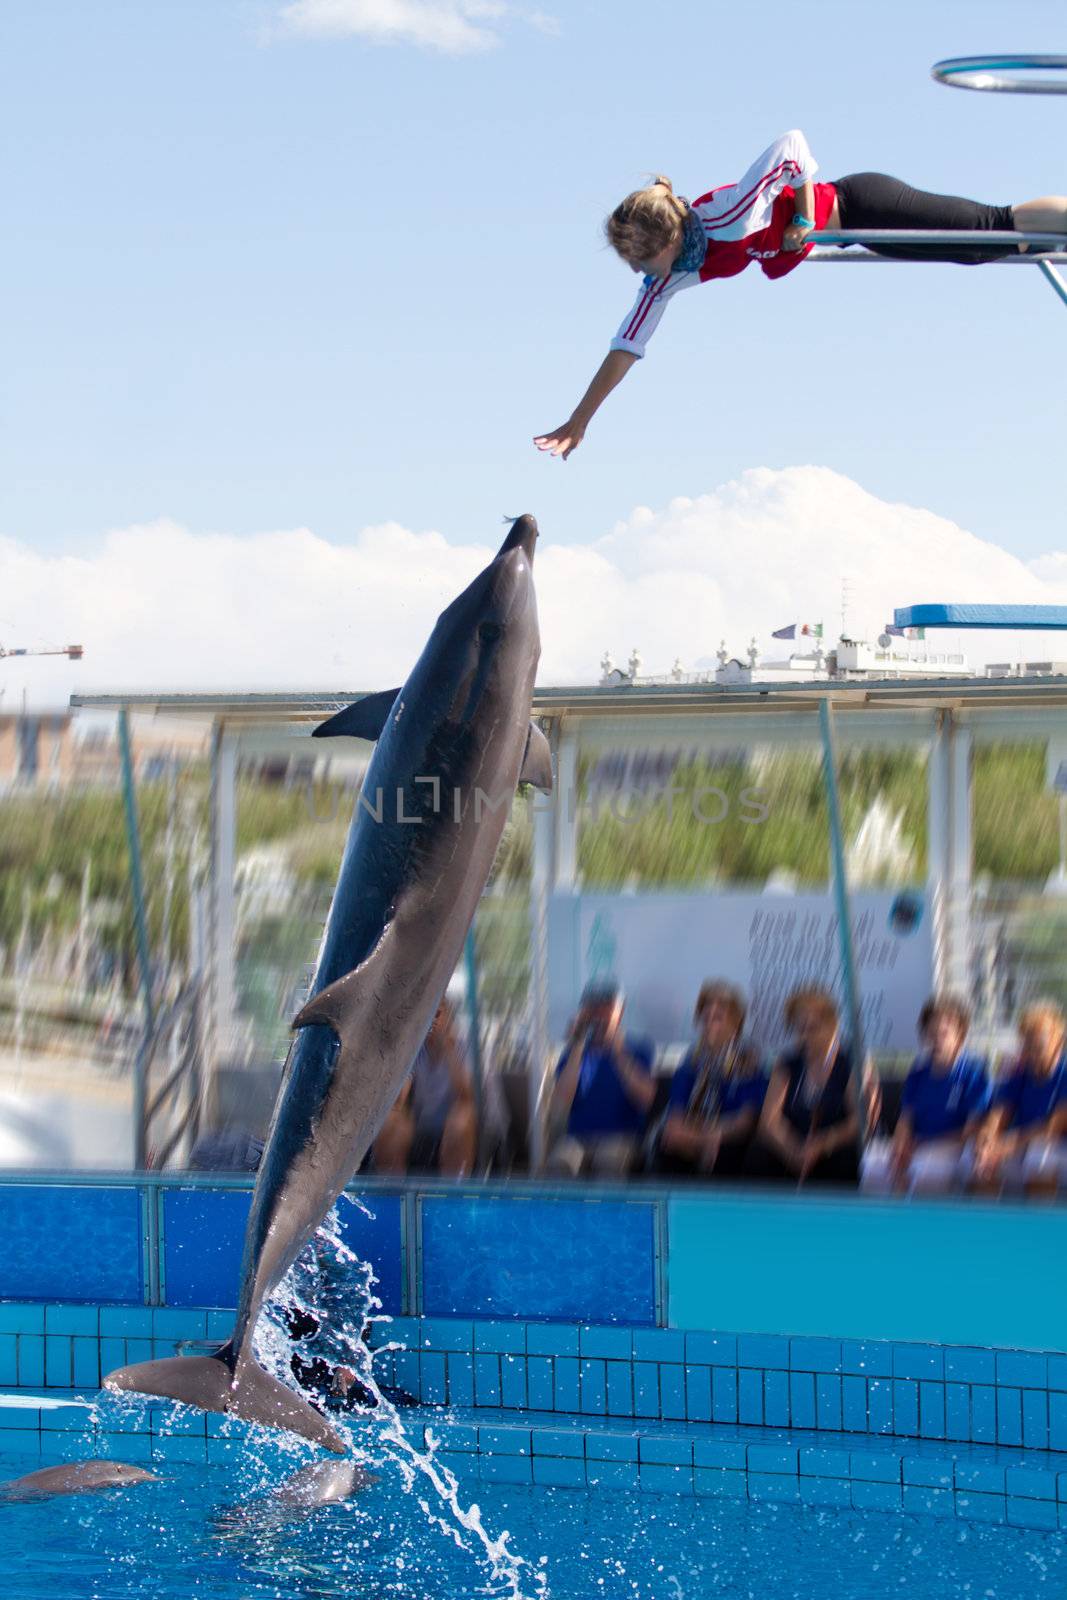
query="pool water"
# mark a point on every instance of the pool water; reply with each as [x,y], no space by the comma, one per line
[211,1531]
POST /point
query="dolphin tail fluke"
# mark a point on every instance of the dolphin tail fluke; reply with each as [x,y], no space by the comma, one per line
[210,1383]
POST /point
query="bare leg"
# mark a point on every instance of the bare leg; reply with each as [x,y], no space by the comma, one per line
[1047,215]
[459,1142]
[392,1148]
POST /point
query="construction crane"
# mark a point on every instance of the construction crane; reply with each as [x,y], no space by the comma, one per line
[74,652]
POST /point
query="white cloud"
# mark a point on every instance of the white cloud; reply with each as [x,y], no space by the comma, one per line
[159,607]
[455,27]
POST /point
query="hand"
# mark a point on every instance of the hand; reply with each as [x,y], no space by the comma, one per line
[795,238]
[442,1029]
[810,1156]
[561,441]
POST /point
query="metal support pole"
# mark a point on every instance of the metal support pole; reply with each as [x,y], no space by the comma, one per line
[133,844]
[841,899]
[542,880]
[1058,285]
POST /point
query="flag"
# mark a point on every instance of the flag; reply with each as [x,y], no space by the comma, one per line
[813,630]
[893,631]
[785,633]
[807,630]
[916,633]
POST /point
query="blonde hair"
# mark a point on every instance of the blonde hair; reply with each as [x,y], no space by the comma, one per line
[818,1000]
[647,222]
[1043,1011]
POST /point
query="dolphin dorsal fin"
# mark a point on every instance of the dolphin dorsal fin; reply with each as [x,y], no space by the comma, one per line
[537,762]
[365,719]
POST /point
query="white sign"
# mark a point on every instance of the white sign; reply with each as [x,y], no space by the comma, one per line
[661,948]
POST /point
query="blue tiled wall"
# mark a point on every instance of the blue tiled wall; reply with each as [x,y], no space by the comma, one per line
[60,1242]
[502,1256]
[965,1273]
[203,1235]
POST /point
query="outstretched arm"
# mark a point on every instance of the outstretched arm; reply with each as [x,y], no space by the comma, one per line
[561,441]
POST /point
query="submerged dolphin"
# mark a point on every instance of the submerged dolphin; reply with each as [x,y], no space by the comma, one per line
[74,1477]
[452,745]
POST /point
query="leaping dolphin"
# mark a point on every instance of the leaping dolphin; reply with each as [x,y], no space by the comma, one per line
[452,745]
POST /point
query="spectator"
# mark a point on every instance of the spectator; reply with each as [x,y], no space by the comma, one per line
[945,1099]
[716,1094]
[603,1090]
[433,1123]
[809,1128]
[1021,1145]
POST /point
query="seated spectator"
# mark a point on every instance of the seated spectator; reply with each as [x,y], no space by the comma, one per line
[433,1125]
[716,1095]
[809,1128]
[945,1100]
[603,1089]
[1021,1144]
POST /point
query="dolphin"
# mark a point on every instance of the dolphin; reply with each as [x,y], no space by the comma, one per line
[74,1477]
[452,744]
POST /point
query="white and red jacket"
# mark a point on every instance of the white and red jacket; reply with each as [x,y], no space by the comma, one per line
[743,222]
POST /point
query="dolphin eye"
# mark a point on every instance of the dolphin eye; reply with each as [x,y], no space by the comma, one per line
[489,632]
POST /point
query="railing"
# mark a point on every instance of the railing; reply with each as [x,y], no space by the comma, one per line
[167,1082]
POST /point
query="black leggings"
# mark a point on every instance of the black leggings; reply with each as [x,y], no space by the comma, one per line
[872,200]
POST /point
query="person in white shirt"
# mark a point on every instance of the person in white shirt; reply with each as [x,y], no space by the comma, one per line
[773,216]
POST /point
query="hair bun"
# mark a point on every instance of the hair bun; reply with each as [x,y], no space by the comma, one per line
[664,182]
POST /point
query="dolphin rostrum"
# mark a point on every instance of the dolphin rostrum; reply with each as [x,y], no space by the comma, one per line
[452,744]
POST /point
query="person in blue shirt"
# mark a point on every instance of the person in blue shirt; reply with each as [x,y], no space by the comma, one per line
[1022,1143]
[603,1091]
[945,1101]
[716,1093]
[809,1130]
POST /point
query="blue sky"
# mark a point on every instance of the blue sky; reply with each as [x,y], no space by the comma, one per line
[256,280]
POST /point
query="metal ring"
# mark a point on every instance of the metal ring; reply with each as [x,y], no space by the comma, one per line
[990,72]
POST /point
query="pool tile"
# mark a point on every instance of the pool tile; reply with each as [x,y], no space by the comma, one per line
[86,1363]
[1021,1369]
[773,1458]
[1057,1421]
[65,1447]
[456,1437]
[832,1492]
[981,1507]
[983,1414]
[406,1364]
[1035,1419]
[672,1392]
[666,1480]
[140,1350]
[128,1322]
[697,1394]
[828,1401]
[21,1441]
[31,1361]
[611,1446]
[854,1404]
[559,1472]
[433,1385]
[504,1441]
[932,1410]
[505,1469]
[720,1453]
[802,1399]
[776,1399]
[171,1323]
[965,1365]
[15,1318]
[593,1387]
[486,1380]
[446,1333]
[646,1389]
[9,1373]
[880,1405]
[459,1370]
[876,1496]
[180,1449]
[1009,1416]
[957,1412]
[665,1451]
[815,1355]
[566,1384]
[749,1397]
[551,1339]
[539,1383]
[721,1481]
[558,1442]
[773,1486]
[72,1319]
[1061,1485]
[1032,1514]
[605,1343]
[66,1419]
[126,1447]
[611,1474]
[713,1349]
[982,1477]
[918,1361]
[928,1502]
[513,1382]
[500,1338]
[762,1350]
[16,1419]
[875,1466]
[927,1472]
[659,1344]
[224,1452]
[1030,1483]
[872,1358]
[724,1394]
[220,1326]
[1057,1372]
[905,1406]
[816,1462]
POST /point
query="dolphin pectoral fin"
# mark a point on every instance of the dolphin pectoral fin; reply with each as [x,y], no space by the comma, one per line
[250,1393]
[537,762]
[328,1008]
[365,719]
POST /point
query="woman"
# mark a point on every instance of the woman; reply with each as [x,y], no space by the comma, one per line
[716,1093]
[772,216]
[946,1097]
[1021,1144]
[809,1130]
